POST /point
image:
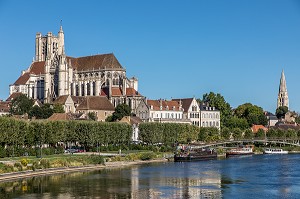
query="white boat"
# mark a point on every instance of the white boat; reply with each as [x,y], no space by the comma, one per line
[274,151]
[248,150]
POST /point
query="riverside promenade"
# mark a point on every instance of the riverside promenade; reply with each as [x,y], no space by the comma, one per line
[52,171]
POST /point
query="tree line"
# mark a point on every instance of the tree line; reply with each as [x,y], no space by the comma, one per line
[19,137]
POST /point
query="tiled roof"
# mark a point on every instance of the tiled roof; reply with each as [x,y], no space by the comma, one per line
[116,91]
[22,79]
[186,103]
[4,106]
[132,92]
[255,128]
[131,120]
[166,105]
[36,68]
[13,96]
[77,99]
[96,103]
[104,61]
[61,99]
[60,116]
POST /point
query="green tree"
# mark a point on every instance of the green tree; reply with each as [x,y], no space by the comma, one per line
[281,111]
[248,134]
[225,133]
[218,101]
[272,133]
[121,111]
[252,113]
[58,108]
[235,122]
[21,105]
[237,133]
[260,134]
[43,112]
[92,116]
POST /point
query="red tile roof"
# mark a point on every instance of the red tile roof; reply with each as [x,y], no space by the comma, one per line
[104,61]
[61,99]
[60,116]
[96,103]
[255,128]
[116,91]
[22,79]
[166,105]
[4,106]
[36,68]
[186,103]
[13,96]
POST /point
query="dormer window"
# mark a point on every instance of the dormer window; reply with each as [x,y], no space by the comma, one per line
[173,108]
[160,107]
[167,107]
[151,107]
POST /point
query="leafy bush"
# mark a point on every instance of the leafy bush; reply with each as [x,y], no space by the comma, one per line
[18,166]
[96,159]
[24,162]
[45,163]
[6,168]
[132,157]
[147,156]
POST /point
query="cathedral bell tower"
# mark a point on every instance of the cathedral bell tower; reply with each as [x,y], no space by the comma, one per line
[283,98]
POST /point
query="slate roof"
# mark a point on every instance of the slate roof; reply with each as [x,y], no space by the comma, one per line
[95,103]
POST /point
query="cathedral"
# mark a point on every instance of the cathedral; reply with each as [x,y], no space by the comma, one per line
[283,98]
[53,74]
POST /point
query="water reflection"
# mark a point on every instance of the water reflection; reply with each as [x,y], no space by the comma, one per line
[259,176]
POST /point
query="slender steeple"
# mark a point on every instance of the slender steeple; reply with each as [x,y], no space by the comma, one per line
[283,98]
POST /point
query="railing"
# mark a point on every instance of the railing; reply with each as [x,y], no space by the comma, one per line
[288,141]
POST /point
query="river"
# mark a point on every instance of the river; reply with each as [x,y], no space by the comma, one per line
[257,176]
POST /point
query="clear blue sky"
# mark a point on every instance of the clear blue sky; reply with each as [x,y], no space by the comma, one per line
[175,48]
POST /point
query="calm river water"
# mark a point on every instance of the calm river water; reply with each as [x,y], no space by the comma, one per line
[258,176]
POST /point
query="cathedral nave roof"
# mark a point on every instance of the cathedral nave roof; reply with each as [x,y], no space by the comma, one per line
[90,63]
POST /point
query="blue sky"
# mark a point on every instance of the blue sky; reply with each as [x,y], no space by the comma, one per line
[176,49]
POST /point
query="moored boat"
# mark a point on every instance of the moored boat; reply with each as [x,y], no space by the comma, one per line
[190,153]
[274,151]
[244,150]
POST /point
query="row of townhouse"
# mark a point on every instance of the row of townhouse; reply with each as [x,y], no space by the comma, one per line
[186,110]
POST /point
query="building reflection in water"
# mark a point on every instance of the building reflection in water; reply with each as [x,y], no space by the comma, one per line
[208,185]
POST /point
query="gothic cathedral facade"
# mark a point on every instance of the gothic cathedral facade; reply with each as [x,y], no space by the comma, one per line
[53,74]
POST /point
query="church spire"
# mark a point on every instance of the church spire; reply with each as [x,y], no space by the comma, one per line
[283,98]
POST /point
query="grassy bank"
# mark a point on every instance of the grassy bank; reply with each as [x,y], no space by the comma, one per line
[17,164]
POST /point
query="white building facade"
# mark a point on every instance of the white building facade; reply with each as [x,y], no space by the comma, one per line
[191,110]
[209,116]
[164,111]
